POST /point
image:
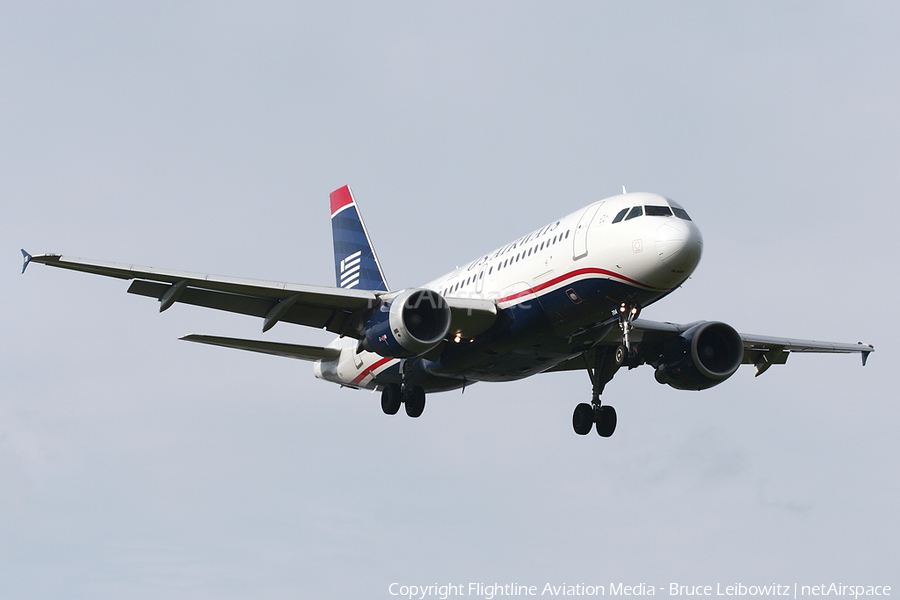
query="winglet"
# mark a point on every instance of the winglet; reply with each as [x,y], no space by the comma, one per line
[865,353]
[28,258]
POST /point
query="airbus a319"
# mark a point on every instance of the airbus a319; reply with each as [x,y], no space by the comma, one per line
[566,296]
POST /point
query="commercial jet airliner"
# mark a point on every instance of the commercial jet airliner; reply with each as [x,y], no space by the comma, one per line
[564,297]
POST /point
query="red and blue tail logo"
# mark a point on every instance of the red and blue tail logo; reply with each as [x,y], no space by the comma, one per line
[355,263]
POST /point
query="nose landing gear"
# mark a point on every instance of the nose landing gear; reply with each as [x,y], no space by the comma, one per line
[586,415]
[625,353]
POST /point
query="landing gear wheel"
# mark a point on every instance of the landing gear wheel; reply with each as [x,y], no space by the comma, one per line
[621,356]
[414,399]
[660,374]
[606,424]
[391,399]
[583,419]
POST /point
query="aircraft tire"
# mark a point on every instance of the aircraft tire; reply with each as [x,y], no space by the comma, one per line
[414,399]
[606,425]
[391,399]
[583,418]
[621,356]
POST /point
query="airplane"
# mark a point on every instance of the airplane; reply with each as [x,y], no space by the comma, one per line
[565,297]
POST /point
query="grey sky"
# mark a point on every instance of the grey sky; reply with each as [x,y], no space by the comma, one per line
[207,136]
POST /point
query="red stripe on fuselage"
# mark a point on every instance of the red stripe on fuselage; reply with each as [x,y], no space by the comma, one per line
[340,198]
[577,273]
[369,370]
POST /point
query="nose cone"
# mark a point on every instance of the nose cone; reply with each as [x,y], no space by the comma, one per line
[679,245]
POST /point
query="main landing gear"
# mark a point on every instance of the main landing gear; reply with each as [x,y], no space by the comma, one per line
[606,362]
[395,394]
[411,396]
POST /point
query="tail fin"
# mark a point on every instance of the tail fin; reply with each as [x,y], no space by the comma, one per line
[355,263]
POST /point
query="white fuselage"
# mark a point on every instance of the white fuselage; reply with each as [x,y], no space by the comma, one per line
[645,256]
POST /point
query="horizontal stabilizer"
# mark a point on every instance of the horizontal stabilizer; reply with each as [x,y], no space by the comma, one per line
[278,349]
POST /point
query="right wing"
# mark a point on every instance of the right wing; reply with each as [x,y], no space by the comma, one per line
[340,310]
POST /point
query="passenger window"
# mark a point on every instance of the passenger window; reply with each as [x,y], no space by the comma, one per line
[637,211]
[657,211]
[680,213]
[620,216]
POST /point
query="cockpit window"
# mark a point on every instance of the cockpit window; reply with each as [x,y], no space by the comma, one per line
[620,216]
[636,211]
[657,211]
[680,213]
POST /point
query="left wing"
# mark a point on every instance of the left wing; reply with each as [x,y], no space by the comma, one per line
[760,351]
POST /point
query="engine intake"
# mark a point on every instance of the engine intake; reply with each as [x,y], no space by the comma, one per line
[703,356]
[411,323]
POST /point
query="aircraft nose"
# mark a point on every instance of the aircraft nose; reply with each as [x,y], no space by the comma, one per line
[679,244]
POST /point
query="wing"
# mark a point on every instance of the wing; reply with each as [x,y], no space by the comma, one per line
[339,310]
[763,351]
[760,351]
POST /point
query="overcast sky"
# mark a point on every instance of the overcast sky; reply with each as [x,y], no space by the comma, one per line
[207,136]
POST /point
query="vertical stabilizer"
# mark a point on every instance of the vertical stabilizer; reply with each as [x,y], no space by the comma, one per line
[355,263]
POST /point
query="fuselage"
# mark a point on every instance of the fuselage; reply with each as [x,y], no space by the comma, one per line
[557,290]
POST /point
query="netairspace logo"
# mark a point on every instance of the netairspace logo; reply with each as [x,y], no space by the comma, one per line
[489,591]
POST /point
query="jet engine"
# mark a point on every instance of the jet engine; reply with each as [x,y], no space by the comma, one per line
[409,324]
[703,356]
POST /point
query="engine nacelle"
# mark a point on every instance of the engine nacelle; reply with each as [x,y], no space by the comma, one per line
[411,323]
[703,356]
